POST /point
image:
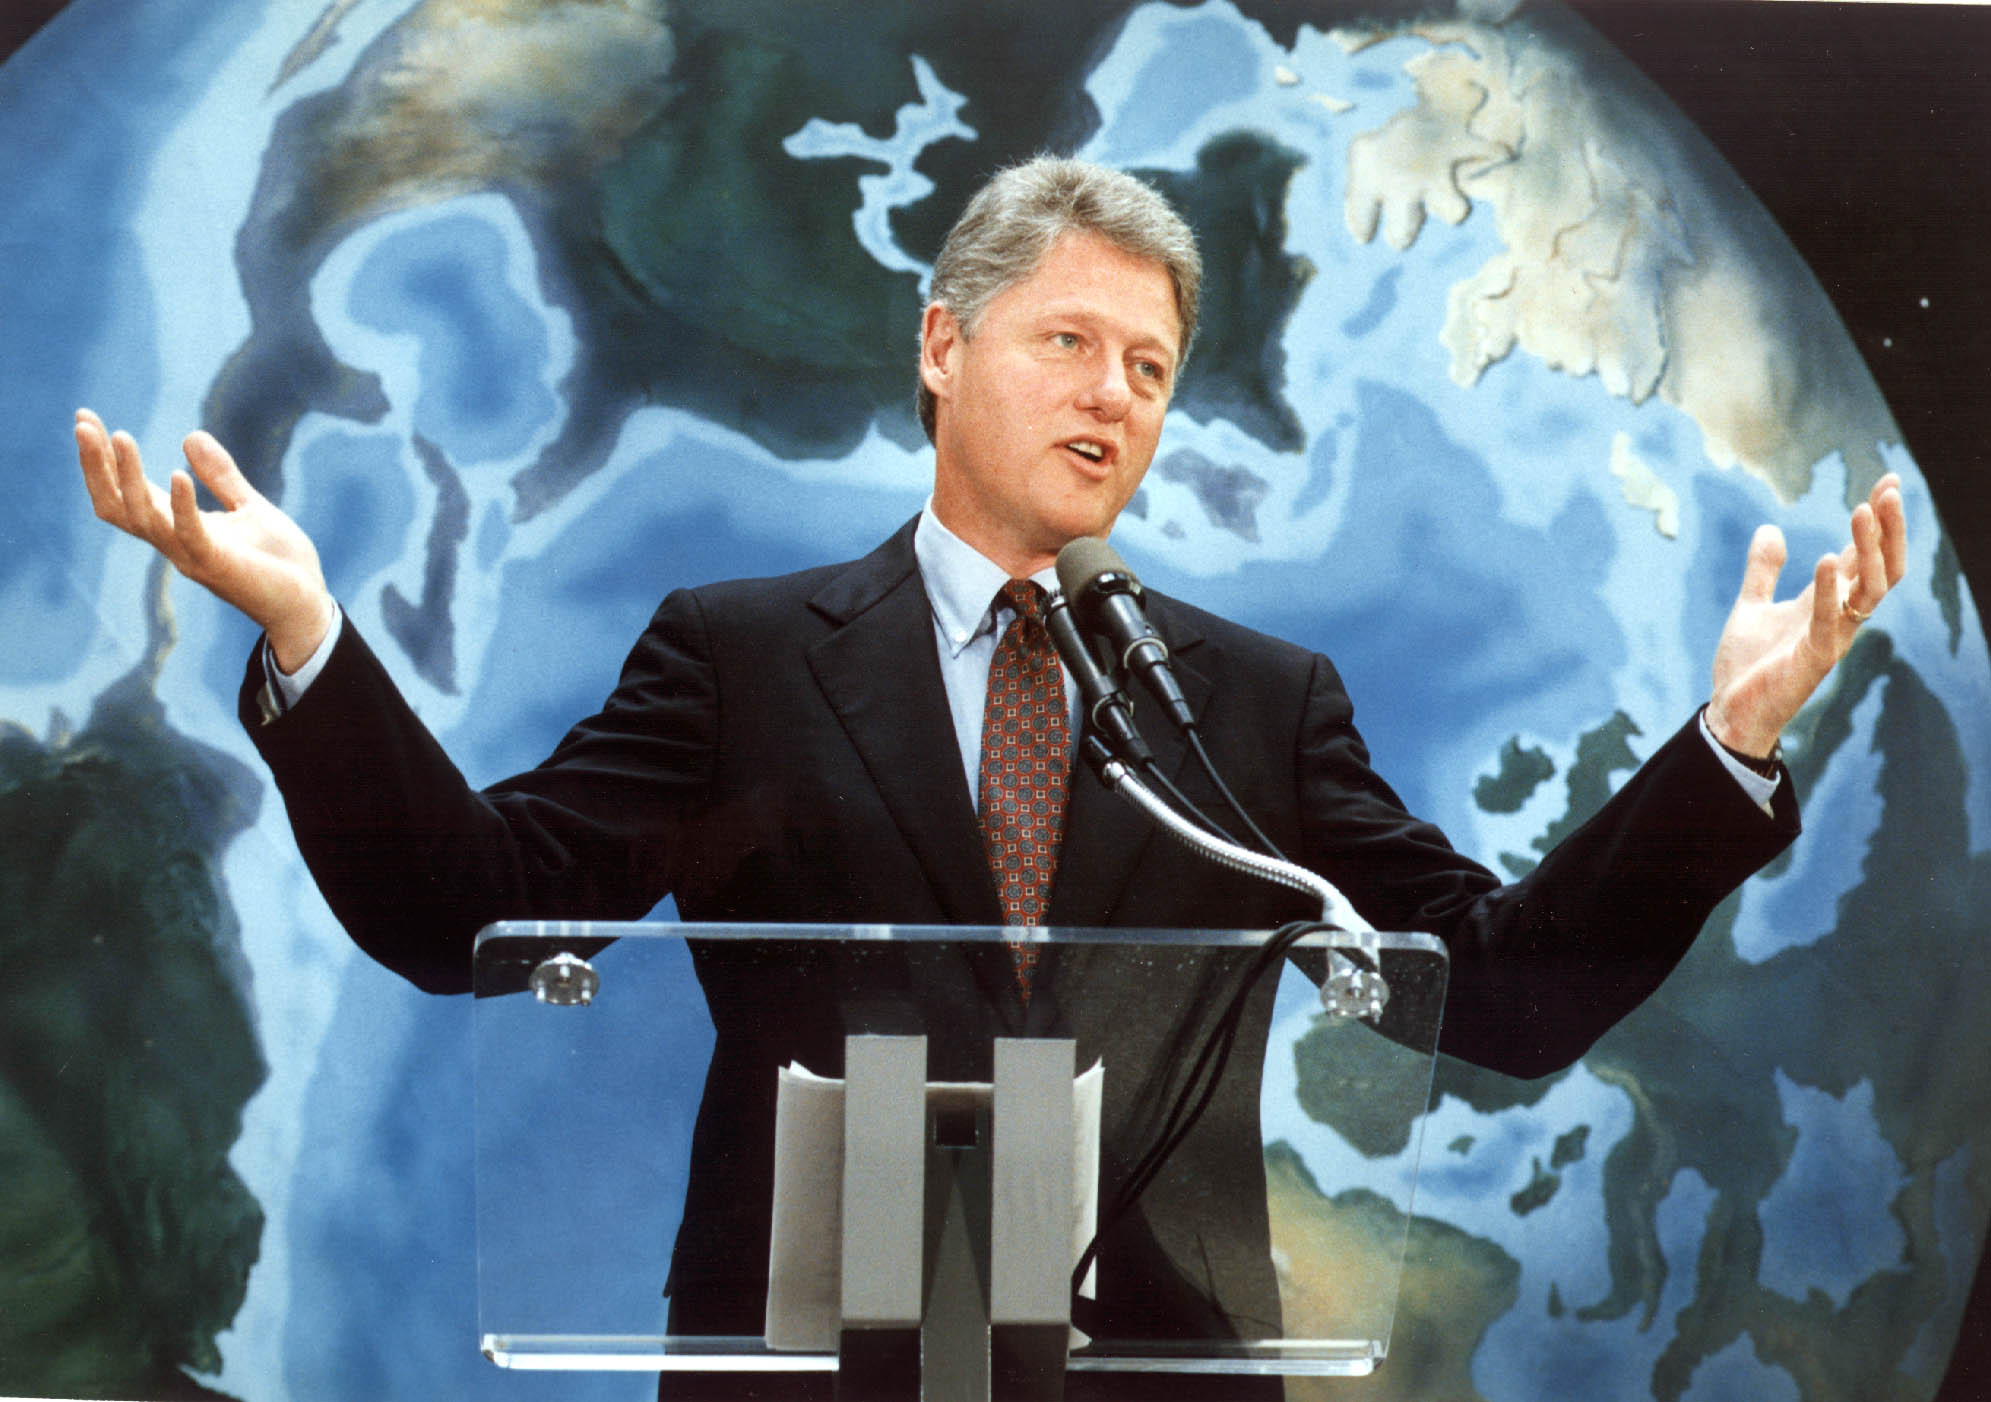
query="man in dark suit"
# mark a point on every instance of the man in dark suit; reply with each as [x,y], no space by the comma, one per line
[806,749]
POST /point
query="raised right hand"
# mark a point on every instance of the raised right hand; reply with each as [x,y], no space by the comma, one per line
[248,554]
[1772,655]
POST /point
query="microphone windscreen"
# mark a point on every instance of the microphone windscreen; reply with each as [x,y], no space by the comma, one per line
[1083,561]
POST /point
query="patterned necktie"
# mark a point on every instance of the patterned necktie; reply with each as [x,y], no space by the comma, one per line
[1025,751]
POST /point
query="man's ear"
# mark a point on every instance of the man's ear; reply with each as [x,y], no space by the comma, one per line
[940,342]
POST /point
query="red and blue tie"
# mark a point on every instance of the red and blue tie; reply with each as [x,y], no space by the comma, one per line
[1026,749]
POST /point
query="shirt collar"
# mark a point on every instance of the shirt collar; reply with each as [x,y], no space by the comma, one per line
[961,582]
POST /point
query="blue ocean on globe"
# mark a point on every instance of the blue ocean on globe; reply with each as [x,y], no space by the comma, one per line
[1504,369]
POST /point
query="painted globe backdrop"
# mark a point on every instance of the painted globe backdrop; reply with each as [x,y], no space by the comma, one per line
[531,310]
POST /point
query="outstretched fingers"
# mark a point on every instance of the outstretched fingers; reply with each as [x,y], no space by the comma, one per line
[141,505]
[195,547]
[93,455]
[1890,520]
[1830,618]
[1877,558]
[1765,564]
[1772,657]
[216,469]
[247,554]
[1866,565]
[168,520]
[1893,518]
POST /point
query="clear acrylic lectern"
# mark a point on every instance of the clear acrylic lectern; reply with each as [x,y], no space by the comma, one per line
[1271,1106]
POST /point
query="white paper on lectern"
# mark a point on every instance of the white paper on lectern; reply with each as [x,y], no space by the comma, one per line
[805,1257]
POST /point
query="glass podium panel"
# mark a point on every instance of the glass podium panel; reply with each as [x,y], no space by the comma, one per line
[626,1079]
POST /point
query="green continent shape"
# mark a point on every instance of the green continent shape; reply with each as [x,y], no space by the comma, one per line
[1362,1085]
[1452,1288]
[1522,771]
[1699,1061]
[1539,1191]
[129,1050]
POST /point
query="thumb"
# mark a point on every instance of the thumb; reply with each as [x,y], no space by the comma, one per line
[1766,562]
[212,464]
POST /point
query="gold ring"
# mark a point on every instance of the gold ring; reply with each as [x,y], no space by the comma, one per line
[1846,607]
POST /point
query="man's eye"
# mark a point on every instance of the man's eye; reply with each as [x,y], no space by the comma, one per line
[1068,340]
[1150,369]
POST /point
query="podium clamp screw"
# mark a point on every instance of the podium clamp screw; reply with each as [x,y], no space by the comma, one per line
[565,981]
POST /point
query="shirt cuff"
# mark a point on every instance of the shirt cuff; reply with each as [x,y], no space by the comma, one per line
[1759,788]
[282,690]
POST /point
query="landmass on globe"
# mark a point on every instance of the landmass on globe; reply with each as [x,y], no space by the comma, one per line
[731,210]
[130,1048]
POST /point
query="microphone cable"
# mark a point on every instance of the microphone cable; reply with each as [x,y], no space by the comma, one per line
[1102,589]
[1198,1090]
[1108,712]
[1098,591]
[1188,806]
[1265,844]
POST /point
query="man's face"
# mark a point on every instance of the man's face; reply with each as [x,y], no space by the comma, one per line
[1046,419]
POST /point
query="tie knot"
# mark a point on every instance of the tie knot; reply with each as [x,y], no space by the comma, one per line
[1026,596]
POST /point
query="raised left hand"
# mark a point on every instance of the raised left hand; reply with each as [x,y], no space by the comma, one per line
[1772,655]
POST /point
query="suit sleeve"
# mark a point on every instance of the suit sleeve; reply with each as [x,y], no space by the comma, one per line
[1543,966]
[414,861]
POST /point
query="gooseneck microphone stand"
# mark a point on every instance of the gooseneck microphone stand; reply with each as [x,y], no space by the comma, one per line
[1109,606]
[1336,911]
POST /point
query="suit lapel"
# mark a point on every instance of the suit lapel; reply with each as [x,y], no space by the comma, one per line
[879,672]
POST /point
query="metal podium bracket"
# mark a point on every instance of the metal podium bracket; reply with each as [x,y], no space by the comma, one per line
[1030,1218]
[957,1228]
[884,1249]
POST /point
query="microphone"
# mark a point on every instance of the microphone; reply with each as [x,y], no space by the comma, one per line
[1106,599]
[1106,706]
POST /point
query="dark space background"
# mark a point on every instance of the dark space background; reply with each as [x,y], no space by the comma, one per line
[1865,129]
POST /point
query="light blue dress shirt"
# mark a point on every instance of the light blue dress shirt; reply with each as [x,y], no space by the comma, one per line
[961,586]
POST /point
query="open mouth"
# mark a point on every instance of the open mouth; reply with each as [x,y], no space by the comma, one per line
[1089,450]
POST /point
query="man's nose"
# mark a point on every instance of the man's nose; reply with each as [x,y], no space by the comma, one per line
[1107,392]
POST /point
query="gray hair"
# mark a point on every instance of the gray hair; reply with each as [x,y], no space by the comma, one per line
[1013,220]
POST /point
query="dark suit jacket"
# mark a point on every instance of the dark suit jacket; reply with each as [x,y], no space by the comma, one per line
[779,750]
